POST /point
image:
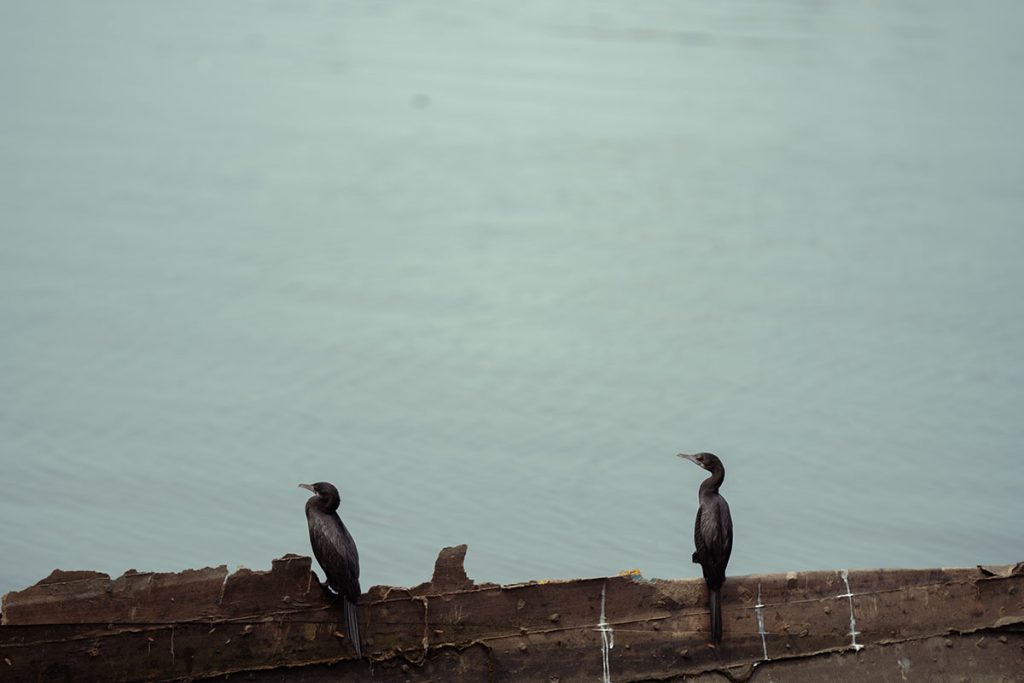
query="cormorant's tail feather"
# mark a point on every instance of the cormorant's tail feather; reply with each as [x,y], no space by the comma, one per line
[352,624]
[715,607]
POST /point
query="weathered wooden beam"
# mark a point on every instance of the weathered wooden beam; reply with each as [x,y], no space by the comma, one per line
[280,625]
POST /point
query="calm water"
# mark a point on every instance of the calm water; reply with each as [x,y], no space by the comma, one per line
[488,267]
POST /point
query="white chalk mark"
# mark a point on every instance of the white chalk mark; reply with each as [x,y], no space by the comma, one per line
[853,621]
[607,639]
[759,609]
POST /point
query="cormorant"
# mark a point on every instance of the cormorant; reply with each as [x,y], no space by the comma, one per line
[335,551]
[712,535]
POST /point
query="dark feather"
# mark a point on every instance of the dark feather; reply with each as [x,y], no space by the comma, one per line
[715,608]
[335,551]
[352,624]
[712,536]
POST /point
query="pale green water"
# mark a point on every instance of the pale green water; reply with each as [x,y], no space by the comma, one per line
[489,267]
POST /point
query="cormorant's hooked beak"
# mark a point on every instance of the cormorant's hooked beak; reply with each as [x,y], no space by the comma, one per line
[308,487]
[692,457]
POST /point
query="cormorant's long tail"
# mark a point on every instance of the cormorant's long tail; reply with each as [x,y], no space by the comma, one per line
[715,607]
[352,624]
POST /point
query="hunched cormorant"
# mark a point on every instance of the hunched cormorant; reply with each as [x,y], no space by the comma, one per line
[712,535]
[335,551]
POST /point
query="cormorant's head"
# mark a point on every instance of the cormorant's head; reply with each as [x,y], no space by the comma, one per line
[705,460]
[327,496]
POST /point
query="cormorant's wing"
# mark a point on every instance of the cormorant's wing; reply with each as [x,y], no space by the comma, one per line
[698,537]
[714,538]
[336,552]
[726,522]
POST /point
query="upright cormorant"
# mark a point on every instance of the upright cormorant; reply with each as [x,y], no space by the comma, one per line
[335,551]
[712,535]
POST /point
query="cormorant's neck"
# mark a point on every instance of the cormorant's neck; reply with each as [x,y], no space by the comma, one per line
[712,483]
[328,506]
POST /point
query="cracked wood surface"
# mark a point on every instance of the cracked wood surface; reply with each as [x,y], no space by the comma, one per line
[278,625]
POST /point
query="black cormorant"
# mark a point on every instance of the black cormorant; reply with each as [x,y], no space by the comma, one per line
[712,535]
[335,551]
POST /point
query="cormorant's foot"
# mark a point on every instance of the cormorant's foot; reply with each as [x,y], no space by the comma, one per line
[328,591]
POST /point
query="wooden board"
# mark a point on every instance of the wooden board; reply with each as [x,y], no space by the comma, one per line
[280,625]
